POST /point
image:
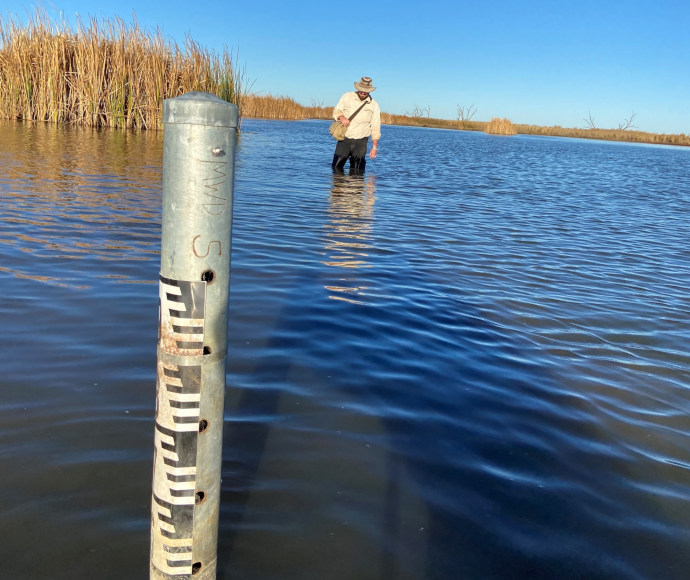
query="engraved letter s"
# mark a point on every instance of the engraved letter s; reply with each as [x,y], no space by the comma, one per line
[208,247]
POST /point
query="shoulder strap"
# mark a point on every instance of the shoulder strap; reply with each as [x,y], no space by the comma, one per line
[358,110]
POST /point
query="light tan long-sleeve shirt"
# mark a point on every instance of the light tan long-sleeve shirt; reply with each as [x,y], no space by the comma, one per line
[368,120]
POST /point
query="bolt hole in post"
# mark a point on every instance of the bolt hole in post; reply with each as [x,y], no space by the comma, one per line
[196,568]
[199,497]
[203,425]
[208,276]
[207,350]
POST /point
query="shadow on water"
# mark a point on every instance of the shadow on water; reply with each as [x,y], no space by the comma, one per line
[349,477]
[437,454]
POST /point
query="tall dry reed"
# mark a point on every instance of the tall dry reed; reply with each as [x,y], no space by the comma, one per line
[500,127]
[103,73]
[271,107]
[606,134]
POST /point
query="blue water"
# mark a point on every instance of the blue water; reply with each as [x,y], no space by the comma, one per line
[471,363]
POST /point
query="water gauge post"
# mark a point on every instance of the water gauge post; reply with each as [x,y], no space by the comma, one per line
[198,175]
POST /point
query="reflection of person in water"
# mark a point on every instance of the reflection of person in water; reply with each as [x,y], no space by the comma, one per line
[366,123]
[348,238]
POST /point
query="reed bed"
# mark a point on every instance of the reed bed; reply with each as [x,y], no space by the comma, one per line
[500,127]
[607,135]
[272,107]
[417,121]
[104,73]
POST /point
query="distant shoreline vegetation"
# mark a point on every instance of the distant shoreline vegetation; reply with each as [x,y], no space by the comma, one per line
[106,73]
[271,107]
[103,74]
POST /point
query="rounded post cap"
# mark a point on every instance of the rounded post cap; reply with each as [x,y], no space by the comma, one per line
[198,108]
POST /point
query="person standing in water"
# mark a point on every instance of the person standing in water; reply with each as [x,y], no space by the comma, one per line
[365,124]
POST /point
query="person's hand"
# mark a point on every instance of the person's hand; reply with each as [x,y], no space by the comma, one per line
[344,120]
[372,153]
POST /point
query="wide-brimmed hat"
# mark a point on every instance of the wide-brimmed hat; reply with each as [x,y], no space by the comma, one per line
[364,85]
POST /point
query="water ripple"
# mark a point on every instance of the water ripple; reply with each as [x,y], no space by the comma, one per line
[471,364]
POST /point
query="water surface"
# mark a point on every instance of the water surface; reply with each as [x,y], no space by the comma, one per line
[470,363]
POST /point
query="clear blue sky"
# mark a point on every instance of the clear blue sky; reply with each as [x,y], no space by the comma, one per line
[542,62]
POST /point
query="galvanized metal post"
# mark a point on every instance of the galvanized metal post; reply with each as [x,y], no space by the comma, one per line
[198,173]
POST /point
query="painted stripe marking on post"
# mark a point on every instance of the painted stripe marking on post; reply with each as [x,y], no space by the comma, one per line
[178,398]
